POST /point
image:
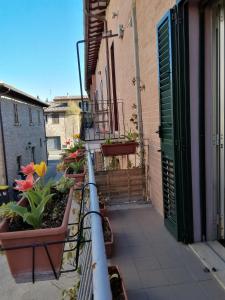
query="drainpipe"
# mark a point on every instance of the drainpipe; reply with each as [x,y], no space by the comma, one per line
[3,138]
[138,83]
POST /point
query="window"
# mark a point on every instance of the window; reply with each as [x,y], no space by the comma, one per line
[62,105]
[46,118]
[30,116]
[55,118]
[16,117]
[18,162]
[39,117]
[54,143]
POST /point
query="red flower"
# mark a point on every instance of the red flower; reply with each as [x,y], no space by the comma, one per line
[25,185]
[74,154]
[29,169]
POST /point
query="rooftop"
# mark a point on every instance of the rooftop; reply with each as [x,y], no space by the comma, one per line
[8,90]
[68,97]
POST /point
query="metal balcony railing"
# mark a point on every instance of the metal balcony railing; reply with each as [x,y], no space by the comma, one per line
[94,283]
[104,121]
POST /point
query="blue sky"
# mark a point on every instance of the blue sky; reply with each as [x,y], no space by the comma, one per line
[37,48]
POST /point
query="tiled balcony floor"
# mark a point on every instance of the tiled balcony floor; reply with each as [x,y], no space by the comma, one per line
[154,266]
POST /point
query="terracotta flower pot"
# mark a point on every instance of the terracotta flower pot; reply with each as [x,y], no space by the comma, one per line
[20,261]
[109,243]
[117,284]
[119,149]
[78,177]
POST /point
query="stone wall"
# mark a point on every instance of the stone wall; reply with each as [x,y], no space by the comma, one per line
[20,138]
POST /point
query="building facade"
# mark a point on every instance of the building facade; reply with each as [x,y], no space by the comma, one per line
[22,132]
[167,57]
[63,120]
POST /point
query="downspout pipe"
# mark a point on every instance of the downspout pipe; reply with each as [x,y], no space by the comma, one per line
[3,137]
[138,83]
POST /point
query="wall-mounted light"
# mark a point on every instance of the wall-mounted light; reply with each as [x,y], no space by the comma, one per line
[28,146]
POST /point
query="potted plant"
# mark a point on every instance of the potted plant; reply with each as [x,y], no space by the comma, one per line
[39,218]
[76,170]
[108,237]
[128,146]
[117,284]
[75,152]
[74,156]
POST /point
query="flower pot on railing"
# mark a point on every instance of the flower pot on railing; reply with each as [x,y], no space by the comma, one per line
[119,148]
[73,157]
[117,284]
[36,249]
[78,177]
[108,237]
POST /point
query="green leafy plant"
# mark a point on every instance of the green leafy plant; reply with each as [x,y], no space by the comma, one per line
[64,184]
[114,164]
[77,145]
[108,142]
[33,214]
[77,166]
[36,192]
[131,136]
[71,293]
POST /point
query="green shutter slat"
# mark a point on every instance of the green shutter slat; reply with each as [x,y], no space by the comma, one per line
[166,116]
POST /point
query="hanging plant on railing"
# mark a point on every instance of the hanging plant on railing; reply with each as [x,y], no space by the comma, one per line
[121,147]
[39,218]
[76,170]
[75,152]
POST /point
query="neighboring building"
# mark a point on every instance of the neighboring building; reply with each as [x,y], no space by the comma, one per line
[63,120]
[22,132]
[176,50]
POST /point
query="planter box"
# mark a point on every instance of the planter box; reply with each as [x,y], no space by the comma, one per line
[109,244]
[20,260]
[117,284]
[78,177]
[119,149]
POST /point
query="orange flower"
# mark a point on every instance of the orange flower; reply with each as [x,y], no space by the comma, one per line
[25,185]
[28,169]
[74,154]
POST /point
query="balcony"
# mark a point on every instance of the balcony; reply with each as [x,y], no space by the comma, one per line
[152,264]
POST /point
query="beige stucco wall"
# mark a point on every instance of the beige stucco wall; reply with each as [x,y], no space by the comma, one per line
[149,14]
[69,124]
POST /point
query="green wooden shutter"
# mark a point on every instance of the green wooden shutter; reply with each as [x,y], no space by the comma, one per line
[175,123]
[167,77]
